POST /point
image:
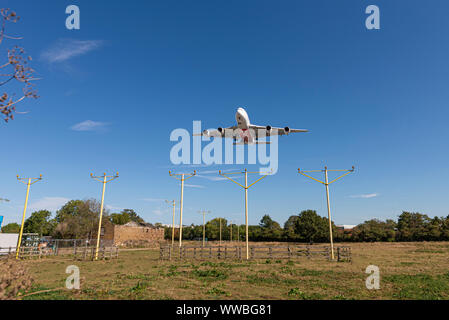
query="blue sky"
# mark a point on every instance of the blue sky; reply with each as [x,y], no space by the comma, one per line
[112,92]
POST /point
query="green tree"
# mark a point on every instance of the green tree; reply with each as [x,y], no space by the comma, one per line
[311,227]
[120,218]
[133,216]
[434,229]
[271,230]
[255,233]
[445,229]
[413,226]
[213,229]
[375,230]
[78,219]
[266,222]
[289,228]
[70,209]
[192,232]
[40,222]
[11,228]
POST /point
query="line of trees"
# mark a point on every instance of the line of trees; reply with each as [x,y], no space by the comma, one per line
[409,227]
[77,219]
[308,226]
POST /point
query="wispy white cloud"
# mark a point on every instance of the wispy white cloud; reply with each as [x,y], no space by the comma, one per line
[193,185]
[49,203]
[212,175]
[89,125]
[211,178]
[65,49]
[365,196]
[153,200]
[209,172]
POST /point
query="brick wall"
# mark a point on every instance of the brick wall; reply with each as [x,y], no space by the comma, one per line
[124,234]
[107,231]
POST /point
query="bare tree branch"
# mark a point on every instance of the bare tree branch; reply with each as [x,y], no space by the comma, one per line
[16,68]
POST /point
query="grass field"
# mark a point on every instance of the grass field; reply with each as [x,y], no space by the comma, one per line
[407,270]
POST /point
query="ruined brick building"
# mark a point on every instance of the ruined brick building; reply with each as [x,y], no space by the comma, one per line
[132,234]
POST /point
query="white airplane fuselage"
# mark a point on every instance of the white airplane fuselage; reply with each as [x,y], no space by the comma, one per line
[242,119]
[243,124]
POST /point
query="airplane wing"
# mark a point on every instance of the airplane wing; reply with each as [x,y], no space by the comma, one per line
[270,131]
[220,132]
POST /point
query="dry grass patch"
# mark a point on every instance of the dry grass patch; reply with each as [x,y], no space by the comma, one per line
[408,271]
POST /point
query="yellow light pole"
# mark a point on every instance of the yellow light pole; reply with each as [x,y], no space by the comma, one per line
[103,179]
[246,187]
[327,183]
[183,178]
[203,212]
[173,225]
[28,182]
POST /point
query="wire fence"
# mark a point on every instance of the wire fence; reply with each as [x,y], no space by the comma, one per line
[46,247]
[71,243]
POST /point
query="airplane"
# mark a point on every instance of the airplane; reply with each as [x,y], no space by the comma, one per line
[248,133]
